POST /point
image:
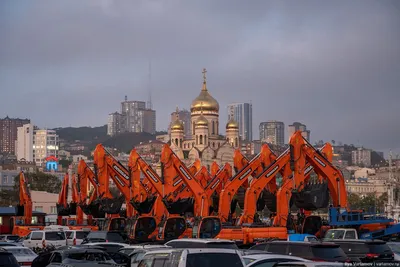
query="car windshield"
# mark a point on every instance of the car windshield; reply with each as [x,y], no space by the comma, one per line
[13,237]
[17,251]
[334,234]
[89,256]
[214,259]
[81,235]
[7,259]
[395,247]
[54,236]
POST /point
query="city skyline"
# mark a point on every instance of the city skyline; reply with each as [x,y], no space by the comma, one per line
[337,72]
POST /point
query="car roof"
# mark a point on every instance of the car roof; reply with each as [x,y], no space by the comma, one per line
[7,247]
[270,256]
[196,250]
[106,243]
[304,243]
[202,240]
[374,241]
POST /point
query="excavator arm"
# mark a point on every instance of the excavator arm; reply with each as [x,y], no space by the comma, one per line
[236,181]
[169,158]
[86,175]
[25,201]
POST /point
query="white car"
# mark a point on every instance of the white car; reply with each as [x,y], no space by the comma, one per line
[267,260]
[45,238]
[75,237]
[24,255]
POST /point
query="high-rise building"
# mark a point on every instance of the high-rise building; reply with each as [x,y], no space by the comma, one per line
[272,132]
[183,115]
[243,114]
[115,124]
[24,143]
[361,157]
[297,126]
[149,121]
[8,133]
[45,144]
[137,118]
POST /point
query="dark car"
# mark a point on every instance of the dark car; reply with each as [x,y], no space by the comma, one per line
[103,236]
[7,259]
[366,250]
[315,251]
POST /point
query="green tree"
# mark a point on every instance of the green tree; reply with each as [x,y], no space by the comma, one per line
[40,181]
[9,198]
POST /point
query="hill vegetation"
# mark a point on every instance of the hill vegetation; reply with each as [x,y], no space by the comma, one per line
[92,136]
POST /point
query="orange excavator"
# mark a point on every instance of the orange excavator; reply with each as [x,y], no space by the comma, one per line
[172,201]
[71,209]
[21,225]
[306,195]
[90,207]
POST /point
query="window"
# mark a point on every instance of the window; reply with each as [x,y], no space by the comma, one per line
[36,236]
[201,139]
[350,235]
[53,209]
[39,208]
[5,179]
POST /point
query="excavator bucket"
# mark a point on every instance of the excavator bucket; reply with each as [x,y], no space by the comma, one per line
[144,207]
[179,207]
[312,197]
[19,210]
[144,227]
[93,209]
[112,205]
[62,210]
[269,200]
[72,208]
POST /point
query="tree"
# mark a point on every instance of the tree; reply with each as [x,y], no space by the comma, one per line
[40,181]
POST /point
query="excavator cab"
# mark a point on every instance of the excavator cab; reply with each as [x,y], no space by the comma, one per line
[312,224]
[208,227]
[144,207]
[172,228]
[117,224]
[69,221]
[313,196]
[142,228]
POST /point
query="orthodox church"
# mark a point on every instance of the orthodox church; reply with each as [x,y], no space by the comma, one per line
[206,143]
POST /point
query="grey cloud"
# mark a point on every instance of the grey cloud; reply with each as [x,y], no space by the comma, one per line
[331,64]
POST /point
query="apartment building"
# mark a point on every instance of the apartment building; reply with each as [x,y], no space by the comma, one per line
[272,132]
[297,126]
[242,113]
[9,133]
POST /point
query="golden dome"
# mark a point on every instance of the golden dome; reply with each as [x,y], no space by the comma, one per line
[232,124]
[177,125]
[201,121]
[204,101]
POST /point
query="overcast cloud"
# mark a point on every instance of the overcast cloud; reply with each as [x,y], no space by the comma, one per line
[334,66]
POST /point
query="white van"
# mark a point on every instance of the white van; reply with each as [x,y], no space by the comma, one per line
[75,237]
[45,238]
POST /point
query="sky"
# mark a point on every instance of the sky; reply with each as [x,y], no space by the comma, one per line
[332,65]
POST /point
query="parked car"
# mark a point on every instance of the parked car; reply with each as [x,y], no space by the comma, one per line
[193,257]
[7,259]
[366,250]
[24,255]
[201,243]
[315,251]
[75,237]
[103,236]
[263,260]
[45,238]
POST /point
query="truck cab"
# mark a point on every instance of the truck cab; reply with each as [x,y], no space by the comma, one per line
[341,233]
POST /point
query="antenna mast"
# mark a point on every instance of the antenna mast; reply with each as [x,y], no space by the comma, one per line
[149,104]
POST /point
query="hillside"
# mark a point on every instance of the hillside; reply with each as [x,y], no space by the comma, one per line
[70,134]
[95,135]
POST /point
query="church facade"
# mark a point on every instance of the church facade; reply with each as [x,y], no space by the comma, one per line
[205,143]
